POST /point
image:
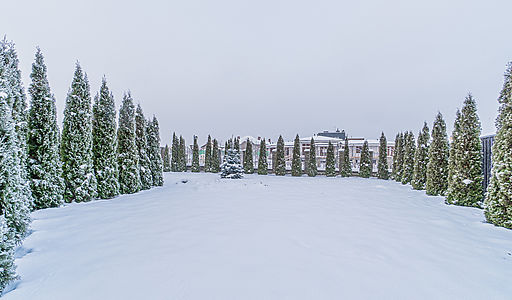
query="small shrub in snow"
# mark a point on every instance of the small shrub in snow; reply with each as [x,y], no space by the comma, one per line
[231,167]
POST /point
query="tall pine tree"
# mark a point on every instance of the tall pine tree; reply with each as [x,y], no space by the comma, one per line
[262,159]
[208,155]
[154,152]
[195,156]
[175,153]
[127,154]
[166,159]
[215,165]
[437,166]
[44,165]
[146,180]
[382,164]
[419,177]
[409,148]
[280,165]
[182,155]
[365,167]
[330,162]
[296,159]
[248,159]
[76,144]
[345,165]
[397,157]
[312,168]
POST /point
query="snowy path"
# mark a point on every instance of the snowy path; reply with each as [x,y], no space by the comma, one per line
[265,237]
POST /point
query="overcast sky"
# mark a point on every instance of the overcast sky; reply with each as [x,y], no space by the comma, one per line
[271,67]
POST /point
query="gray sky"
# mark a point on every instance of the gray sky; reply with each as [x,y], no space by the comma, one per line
[271,67]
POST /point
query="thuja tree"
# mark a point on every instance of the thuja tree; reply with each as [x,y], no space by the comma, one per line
[44,165]
[437,166]
[395,172]
[262,159]
[296,160]
[280,165]
[146,180]
[174,153]
[409,148]
[215,166]
[312,168]
[183,155]
[127,157]
[330,162]
[345,166]
[248,160]
[208,155]
[452,159]
[236,144]
[465,187]
[195,156]
[498,204]
[365,167]
[154,152]
[167,159]
[105,143]
[382,164]
[419,177]
[76,144]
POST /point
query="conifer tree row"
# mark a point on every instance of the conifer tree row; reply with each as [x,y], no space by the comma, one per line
[365,167]
[127,156]
[166,159]
[382,164]
[296,160]
[330,161]
[312,168]
[262,159]
[280,164]
[195,157]
[248,159]
[419,177]
[437,166]
[345,165]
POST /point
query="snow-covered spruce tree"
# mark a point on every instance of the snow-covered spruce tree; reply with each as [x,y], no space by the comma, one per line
[195,156]
[409,148]
[105,143]
[296,160]
[262,159]
[154,152]
[208,155]
[146,180]
[330,162]
[419,176]
[465,187]
[382,164]
[345,166]
[280,166]
[15,203]
[215,157]
[437,166]
[231,167]
[7,246]
[76,144]
[365,167]
[44,165]
[248,160]
[312,168]
[183,155]
[166,159]
[395,170]
[498,204]
[127,154]
[174,153]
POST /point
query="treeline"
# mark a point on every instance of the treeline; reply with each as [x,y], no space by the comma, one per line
[92,158]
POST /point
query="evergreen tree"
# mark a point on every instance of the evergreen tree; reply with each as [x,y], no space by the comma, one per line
[7,247]
[262,159]
[409,148]
[382,164]
[280,165]
[146,179]
[365,168]
[345,166]
[465,188]
[208,155]
[44,165]
[154,152]
[397,159]
[182,155]
[236,144]
[215,157]
[167,159]
[498,205]
[437,167]
[127,154]
[175,153]
[312,168]
[195,156]
[105,143]
[296,160]
[330,162]
[231,167]
[452,160]
[419,178]
[76,144]
[248,160]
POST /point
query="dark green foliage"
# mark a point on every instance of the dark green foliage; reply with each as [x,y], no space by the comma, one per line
[146,180]
[296,160]
[280,164]
[76,144]
[409,148]
[167,159]
[248,159]
[154,152]
[419,178]
[105,143]
[175,153]
[7,248]
[208,155]
[44,165]
[215,157]
[437,167]
[397,157]
[312,168]
[365,167]
[127,157]
[195,156]
[465,187]
[236,144]
[182,161]
[382,164]
[262,159]
[345,165]
[330,162]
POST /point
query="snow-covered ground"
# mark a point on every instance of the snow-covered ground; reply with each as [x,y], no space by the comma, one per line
[265,237]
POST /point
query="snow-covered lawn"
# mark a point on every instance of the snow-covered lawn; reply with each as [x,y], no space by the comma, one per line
[265,237]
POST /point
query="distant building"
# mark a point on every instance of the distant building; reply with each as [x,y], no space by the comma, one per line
[337,134]
[487,142]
